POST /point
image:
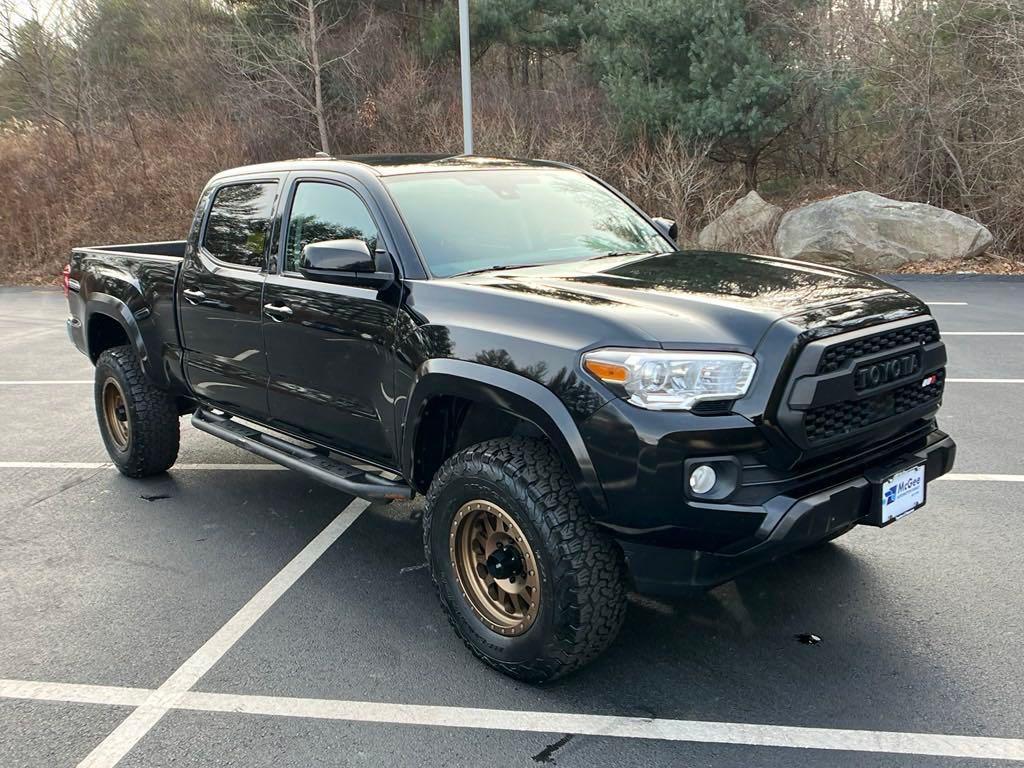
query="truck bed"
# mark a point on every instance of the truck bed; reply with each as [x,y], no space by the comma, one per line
[133,285]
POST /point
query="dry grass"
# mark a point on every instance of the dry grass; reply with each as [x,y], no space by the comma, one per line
[984,264]
[124,188]
[568,122]
[114,192]
[941,124]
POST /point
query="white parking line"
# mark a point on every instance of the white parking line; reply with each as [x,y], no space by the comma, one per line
[56,465]
[968,476]
[983,333]
[43,382]
[985,381]
[110,751]
[36,331]
[75,693]
[946,303]
[108,465]
[700,731]
[30,320]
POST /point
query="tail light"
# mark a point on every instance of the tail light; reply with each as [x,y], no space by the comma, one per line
[65,279]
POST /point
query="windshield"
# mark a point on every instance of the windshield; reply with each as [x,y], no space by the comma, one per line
[475,220]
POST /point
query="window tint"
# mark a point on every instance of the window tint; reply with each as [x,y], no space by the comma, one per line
[326,212]
[239,223]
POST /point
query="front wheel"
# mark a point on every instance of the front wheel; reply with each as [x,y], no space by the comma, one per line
[532,586]
[138,421]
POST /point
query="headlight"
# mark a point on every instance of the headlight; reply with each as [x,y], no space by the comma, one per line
[672,381]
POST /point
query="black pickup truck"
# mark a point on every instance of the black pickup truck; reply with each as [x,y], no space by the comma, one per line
[586,408]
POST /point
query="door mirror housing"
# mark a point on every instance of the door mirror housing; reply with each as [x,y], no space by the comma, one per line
[347,262]
[668,227]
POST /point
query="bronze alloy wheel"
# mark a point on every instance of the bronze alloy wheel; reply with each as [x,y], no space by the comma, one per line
[495,567]
[115,412]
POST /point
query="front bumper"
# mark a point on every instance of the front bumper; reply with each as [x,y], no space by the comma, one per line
[788,524]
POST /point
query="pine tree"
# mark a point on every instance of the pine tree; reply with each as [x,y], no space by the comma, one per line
[695,68]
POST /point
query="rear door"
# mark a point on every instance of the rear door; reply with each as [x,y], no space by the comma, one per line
[329,346]
[220,296]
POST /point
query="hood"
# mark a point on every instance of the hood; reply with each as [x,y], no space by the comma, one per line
[713,298]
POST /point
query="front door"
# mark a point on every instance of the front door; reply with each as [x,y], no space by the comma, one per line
[220,299]
[329,346]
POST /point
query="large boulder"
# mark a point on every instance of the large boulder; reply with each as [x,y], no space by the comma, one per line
[870,232]
[746,217]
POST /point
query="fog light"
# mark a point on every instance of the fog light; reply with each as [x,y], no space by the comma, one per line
[702,479]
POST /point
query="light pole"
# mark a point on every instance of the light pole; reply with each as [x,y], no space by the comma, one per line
[467,93]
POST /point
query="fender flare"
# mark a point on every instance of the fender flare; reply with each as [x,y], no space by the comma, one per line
[510,392]
[117,310]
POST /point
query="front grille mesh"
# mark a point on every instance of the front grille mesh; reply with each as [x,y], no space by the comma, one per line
[838,419]
[836,357]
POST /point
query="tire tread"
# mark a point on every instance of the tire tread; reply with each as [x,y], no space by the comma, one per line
[155,430]
[588,577]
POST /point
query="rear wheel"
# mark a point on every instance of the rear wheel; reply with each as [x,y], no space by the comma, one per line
[532,586]
[138,421]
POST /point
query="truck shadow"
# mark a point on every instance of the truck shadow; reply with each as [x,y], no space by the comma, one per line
[365,623]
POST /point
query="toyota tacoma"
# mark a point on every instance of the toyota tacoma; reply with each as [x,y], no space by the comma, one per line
[586,408]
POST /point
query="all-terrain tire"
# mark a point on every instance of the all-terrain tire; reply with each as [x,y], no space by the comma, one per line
[582,573]
[150,424]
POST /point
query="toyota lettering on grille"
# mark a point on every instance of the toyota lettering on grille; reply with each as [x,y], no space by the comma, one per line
[885,371]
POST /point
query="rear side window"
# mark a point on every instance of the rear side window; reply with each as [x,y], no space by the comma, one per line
[239,223]
[322,211]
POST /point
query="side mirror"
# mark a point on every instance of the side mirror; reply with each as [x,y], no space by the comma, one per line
[347,262]
[668,227]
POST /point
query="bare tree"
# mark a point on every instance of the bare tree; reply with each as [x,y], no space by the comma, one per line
[953,95]
[293,68]
[35,51]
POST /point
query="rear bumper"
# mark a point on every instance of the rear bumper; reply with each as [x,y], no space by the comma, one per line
[789,524]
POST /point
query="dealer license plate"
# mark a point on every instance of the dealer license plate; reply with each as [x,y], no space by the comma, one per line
[902,493]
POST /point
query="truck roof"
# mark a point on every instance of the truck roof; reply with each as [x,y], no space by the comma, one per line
[393,165]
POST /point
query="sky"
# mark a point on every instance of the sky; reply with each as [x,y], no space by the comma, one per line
[24,7]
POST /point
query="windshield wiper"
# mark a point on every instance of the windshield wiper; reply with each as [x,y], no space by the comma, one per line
[502,267]
[495,268]
[611,254]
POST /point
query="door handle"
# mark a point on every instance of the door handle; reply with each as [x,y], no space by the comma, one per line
[275,309]
[193,296]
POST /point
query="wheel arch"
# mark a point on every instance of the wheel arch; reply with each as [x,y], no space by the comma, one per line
[523,399]
[105,313]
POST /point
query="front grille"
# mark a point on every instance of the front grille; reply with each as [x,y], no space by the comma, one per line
[836,357]
[837,419]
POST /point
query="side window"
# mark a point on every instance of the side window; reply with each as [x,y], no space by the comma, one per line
[323,211]
[239,223]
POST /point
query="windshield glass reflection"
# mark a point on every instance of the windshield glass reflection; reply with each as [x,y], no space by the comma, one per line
[465,220]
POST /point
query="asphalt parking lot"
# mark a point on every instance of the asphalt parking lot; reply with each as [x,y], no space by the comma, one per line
[232,613]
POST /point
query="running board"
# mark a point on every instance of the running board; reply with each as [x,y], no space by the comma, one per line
[315,464]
